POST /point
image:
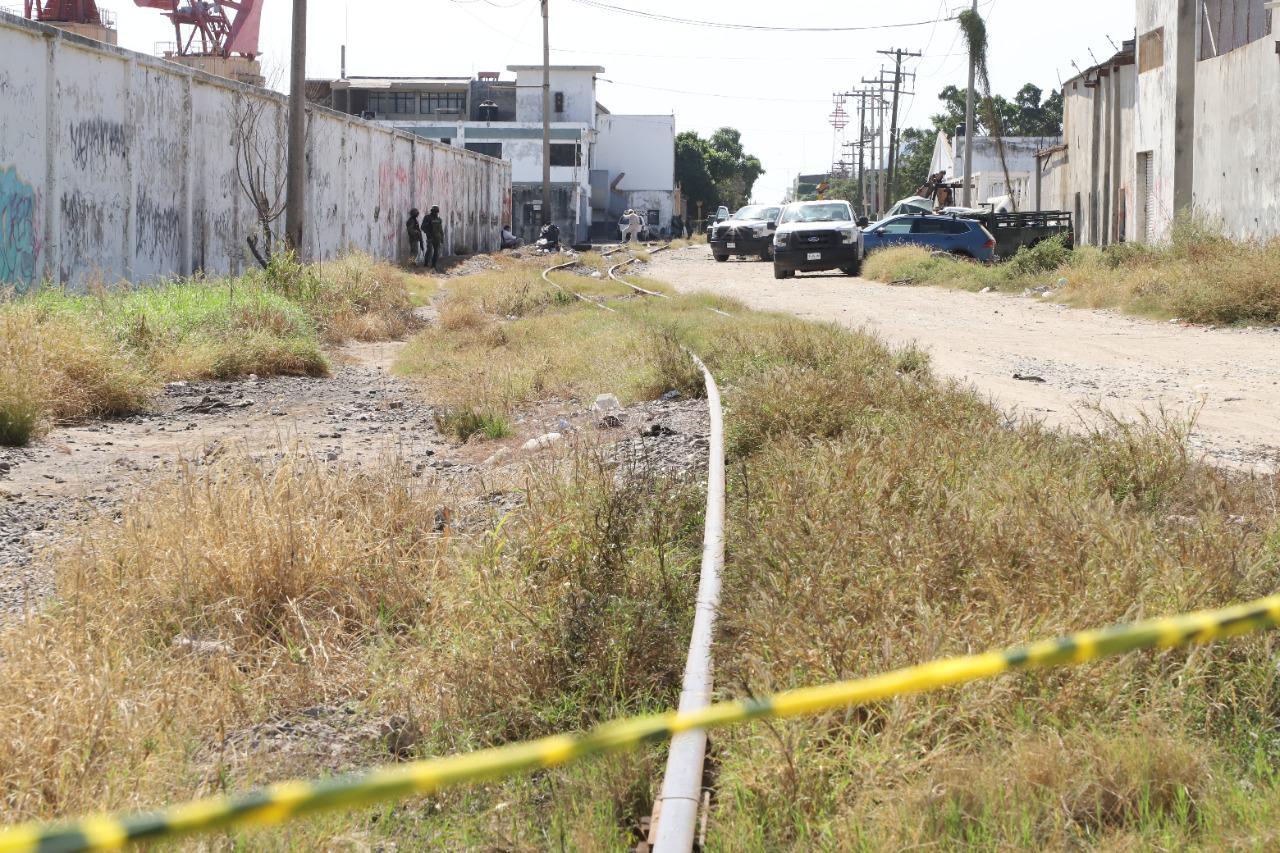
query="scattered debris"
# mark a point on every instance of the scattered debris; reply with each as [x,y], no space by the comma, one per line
[1026,377]
[542,441]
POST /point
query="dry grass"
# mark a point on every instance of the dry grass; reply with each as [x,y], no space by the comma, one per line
[1198,277]
[52,368]
[81,356]
[880,522]
[878,517]
[318,588]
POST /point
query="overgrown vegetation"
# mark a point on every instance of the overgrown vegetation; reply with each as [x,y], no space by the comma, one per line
[878,517]
[1199,276]
[68,356]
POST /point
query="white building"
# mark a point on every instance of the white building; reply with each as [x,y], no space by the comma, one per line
[1185,120]
[601,164]
[994,176]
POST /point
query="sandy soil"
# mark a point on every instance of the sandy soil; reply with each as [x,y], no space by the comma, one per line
[1128,366]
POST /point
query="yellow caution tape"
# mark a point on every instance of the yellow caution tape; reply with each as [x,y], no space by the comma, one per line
[287,800]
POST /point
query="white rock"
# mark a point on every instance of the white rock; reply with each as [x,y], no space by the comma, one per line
[986,290]
[498,456]
[542,441]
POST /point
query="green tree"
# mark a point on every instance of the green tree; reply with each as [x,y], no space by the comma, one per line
[715,171]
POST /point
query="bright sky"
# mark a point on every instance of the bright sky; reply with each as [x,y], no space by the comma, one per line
[776,87]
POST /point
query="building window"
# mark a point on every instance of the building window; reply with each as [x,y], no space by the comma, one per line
[401,103]
[1229,24]
[488,149]
[1151,51]
[377,103]
[566,155]
[559,99]
[444,102]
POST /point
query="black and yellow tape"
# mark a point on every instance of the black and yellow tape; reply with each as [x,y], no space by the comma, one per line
[285,801]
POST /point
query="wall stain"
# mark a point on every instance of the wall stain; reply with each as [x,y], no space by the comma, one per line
[98,138]
[159,227]
[20,237]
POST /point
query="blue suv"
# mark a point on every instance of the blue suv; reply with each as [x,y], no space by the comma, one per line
[964,238]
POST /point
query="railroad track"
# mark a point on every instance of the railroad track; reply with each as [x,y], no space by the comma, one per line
[674,825]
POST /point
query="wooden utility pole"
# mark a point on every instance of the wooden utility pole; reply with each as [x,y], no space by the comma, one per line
[296,175]
[546,116]
[967,197]
[898,54]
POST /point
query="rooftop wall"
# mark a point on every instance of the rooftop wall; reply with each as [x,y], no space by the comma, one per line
[119,166]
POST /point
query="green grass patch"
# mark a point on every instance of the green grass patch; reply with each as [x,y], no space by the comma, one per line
[75,356]
[1199,276]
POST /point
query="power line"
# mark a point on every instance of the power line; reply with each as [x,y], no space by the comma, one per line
[654,16]
[715,94]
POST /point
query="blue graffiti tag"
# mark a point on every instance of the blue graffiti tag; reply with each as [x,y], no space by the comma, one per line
[19,231]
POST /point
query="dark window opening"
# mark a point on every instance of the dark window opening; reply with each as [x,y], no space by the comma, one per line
[559,102]
[444,102]
[566,155]
[489,149]
[401,103]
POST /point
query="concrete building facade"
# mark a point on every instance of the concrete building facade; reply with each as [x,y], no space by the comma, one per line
[1183,121]
[118,166]
[601,163]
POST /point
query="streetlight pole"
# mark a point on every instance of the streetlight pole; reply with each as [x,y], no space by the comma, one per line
[295,179]
[967,199]
[547,115]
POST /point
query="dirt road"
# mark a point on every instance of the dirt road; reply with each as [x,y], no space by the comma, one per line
[1127,366]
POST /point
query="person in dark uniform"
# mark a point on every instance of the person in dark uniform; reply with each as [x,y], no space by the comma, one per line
[433,229]
[415,234]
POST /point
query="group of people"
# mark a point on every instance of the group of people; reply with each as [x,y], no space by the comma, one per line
[426,237]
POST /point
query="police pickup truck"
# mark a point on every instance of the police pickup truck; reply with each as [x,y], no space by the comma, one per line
[748,233]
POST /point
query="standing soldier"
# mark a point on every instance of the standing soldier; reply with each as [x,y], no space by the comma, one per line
[433,226]
[415,234]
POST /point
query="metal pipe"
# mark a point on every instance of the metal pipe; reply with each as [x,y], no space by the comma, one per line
[681,794]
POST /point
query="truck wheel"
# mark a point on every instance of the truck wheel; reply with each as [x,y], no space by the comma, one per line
[780,273]
[854,269]
[766,254]
[720,259]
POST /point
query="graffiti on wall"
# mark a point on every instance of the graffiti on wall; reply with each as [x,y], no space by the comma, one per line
[95,139]
[20,237]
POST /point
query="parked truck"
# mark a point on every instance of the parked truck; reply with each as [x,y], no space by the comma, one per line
[1013,231]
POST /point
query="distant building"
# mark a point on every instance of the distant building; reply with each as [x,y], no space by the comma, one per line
[1004,167]
[1182,120]
[601,164]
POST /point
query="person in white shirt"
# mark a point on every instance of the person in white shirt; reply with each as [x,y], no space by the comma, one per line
[634,226]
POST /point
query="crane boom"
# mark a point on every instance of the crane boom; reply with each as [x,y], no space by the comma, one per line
[212,27]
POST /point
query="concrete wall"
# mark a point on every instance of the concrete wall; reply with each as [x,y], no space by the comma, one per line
[1154,114]
[1096,177]
[577,84]
[1237,141]
[118,166]
[644,147]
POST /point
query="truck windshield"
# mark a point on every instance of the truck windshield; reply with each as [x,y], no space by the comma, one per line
[757,211]
[836,212]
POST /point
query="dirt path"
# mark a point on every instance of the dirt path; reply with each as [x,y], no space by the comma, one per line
[1085,358]
[361,414]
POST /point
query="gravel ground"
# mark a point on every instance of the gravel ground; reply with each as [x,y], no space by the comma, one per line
[360,416]
[1040,359]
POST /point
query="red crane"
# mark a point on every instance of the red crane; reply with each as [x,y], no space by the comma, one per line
[64,11]
[209,27]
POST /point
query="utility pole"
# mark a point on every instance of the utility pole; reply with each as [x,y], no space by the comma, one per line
[898,54]
[967,197]
[296,175]
[547,117]
[877,139]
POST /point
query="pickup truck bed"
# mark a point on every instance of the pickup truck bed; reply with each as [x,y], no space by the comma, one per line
[1012,231]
